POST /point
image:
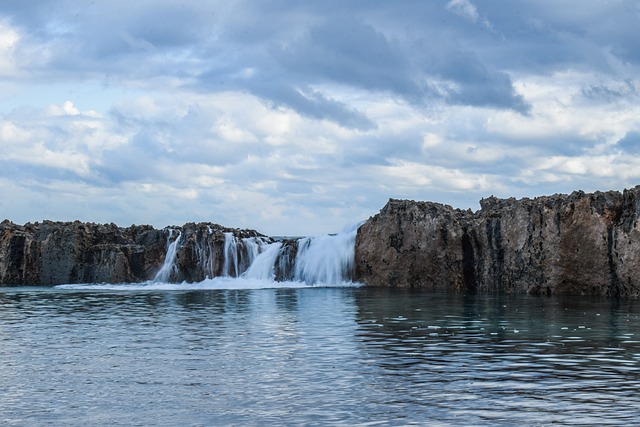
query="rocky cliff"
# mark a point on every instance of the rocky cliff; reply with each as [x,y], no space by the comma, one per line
[50,253]
[570,244]
[562,244]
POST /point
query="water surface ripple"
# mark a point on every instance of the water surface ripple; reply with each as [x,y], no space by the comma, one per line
[314,356]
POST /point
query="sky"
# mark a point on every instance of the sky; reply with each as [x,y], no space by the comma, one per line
[297,117]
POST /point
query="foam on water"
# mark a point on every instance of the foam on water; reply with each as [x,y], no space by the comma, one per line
[216,283]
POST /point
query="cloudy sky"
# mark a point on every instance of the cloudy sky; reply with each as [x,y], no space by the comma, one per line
[296,117]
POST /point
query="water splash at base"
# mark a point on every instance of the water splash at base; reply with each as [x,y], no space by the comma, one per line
[217,283]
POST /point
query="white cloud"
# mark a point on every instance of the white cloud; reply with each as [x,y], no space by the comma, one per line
[9,38]
[430,140]
[559,111]
[464,8]
[306,119]
[145,107]
[592,167]
[468,11]
[230,131]
[12,134]
[411,174]
[66,109]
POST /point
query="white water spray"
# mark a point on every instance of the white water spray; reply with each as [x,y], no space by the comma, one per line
[230,266]
[252,246]
[206,257]
[326,259]
[263,266]
[169,264]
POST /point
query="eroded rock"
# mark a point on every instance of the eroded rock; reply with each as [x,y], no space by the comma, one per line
[51,253]
[571,244]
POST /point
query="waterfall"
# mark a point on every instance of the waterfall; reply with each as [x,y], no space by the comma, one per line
[252,246]
[230,267]
[324,259]
[205,253]
[263,266]
[169,260]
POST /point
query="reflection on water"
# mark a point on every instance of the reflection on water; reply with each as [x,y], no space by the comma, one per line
[505,359]
[315,356]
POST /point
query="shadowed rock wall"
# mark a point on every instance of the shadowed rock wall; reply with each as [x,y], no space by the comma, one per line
[51,253]
[75,252]
[571,244]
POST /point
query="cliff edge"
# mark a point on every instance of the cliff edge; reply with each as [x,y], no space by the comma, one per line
[562,244]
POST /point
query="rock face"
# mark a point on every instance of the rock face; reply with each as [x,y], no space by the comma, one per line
[562,244]
[50,253]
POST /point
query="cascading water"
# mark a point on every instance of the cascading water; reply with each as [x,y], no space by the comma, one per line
[252,248]
[230,267]
[327,260]
[169,264]
[264,265]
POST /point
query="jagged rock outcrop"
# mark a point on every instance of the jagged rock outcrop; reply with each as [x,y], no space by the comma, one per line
[51,253]
[570,244]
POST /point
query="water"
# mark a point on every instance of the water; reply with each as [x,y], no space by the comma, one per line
[201,355]
[170,258]
[324,259]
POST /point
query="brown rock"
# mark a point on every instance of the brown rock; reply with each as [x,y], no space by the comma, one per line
[50,253]
[74,252]
[572,244]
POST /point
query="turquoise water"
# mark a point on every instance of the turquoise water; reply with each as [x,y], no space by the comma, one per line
[168,356]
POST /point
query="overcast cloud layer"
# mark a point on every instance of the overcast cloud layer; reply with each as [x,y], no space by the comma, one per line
[305,117]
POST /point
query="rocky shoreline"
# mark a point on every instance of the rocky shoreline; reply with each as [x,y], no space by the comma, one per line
[584,244]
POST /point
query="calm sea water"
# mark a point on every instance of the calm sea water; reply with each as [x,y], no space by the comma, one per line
[314,356]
